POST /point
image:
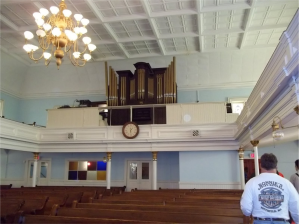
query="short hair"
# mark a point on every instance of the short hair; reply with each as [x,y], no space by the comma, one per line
[269,161]
[297,163]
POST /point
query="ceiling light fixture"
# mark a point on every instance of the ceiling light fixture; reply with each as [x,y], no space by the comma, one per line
[276,133]
[59,33]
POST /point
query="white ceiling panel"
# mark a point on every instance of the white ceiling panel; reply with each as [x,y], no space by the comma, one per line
[127,28]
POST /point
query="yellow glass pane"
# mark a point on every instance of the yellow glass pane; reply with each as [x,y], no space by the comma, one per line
[73,165]
[101,175]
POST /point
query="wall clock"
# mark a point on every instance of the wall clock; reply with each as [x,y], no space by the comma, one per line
[130,130]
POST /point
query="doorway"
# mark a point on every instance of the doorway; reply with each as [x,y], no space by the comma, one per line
[249,169]
[139,174]
[43,172]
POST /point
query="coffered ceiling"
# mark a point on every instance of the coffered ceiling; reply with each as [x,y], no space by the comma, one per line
[124,29]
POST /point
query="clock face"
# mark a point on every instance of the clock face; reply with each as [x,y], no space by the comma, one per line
[130,130]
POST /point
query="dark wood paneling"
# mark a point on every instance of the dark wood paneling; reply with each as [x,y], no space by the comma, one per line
[141,116]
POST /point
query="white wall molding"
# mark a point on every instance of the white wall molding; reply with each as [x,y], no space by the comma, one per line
[28,96]
[273,94]
[229,85]
[209,185]
[217,136]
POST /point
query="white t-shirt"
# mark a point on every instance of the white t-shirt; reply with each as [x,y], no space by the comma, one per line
[269,195]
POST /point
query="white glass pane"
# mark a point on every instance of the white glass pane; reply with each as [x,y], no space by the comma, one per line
[237,108]
[91,175]
[133,171]
[43,169]
[82,166]
[145,171]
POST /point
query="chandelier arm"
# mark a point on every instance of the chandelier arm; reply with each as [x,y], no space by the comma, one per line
[75,62]
[35,59]
[42,45]
[84,49]
[67,50]
[279,121]
[47,62]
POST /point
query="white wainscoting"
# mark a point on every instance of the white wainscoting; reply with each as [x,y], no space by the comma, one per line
[196,113]
[209,185]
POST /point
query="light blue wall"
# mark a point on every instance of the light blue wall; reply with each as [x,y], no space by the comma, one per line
[13,164]
[286,154]
[11,109]
[213,95]
[3,164]
[35,109]
[167,163]
[209,166]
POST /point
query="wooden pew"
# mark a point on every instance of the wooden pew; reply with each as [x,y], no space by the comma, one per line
[9,210]
[152,216]
[5,186]
[39,219]
[165,208]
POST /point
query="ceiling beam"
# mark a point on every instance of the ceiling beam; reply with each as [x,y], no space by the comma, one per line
[93,8]
[248,18]
[200,25]
[153,26]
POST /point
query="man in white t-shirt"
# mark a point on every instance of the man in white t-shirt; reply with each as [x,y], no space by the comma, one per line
[269,197]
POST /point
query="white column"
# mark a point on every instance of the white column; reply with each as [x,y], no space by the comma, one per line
[241,160]
[256,157]
[154,170]
[34,175]
[108,170]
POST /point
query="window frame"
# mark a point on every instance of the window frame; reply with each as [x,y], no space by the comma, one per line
[66,171]
[236,100]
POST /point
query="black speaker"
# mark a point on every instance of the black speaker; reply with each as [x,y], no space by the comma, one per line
[229,109]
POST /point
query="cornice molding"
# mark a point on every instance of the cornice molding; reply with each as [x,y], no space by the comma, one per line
[233,85]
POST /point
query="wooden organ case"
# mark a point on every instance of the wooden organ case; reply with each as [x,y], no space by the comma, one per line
[146,86]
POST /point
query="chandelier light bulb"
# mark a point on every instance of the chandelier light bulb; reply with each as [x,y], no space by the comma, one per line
[86,40]
[277,135]
[47,55]
[67,13]
[77,30]
[47,27]
[76,54]
[83,30]
[84,22]
[54,10]
[56,32]
[87,57]
[78,17]
[73,36]
[28,35]
[40,33]
[44,11]
[37,15]
[91,47]
[39,22]
[68,33]
[30,47]
[27,48]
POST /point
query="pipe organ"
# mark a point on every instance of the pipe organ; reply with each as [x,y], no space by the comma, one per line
[146,86]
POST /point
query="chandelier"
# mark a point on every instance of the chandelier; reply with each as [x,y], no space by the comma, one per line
[59,34]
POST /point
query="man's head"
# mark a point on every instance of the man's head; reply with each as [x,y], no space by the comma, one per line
[297,164]
[268,161]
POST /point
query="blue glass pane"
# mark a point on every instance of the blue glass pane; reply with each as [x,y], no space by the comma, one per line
[73,175]
[101,165]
